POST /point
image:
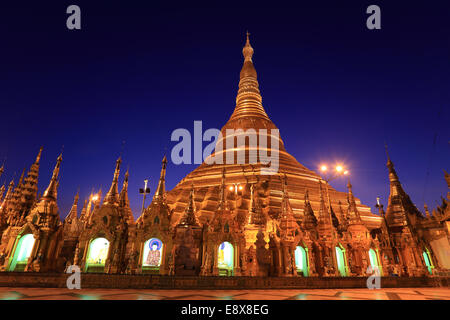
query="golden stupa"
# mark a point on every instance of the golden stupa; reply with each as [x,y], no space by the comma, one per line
[249,113]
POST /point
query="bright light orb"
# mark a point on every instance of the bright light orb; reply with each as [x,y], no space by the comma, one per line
[345,172]
[240,188]
[95,198]
[231,188]
[323,168]
[339,168]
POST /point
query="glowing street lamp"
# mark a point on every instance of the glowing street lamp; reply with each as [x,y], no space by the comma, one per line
[236,187]
[144,191]
[338,172]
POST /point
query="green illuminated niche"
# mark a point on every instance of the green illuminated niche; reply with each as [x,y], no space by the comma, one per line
[22,253]
[428,262]
[301,261]
[341,261]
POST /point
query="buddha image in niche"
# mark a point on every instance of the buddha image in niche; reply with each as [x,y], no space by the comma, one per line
[154,254]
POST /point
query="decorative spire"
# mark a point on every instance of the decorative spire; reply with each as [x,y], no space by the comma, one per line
[324,216]
[399,202]
[248,100]
[73,214]
[2,191]
[112,197]
[123,197]
[447,178]
[83,210]
[29,186]
[288,224]
[189,218]
[334,219]
[353,213]
[161,189]
[286,209]
[248,51]
[2,169]
[8,195]
[21,178]
[309,220]
[427,213]
[343,218]
[38,158]
[51,192]
[124,201]
[89,205]
[396,187]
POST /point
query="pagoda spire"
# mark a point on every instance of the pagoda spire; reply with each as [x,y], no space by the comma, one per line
[124,200]
[427,212]
[286,209]
[73,213]
[288,224]
[399,202]
[89,205]
[2,191]
[8,195]
[309,219]
[161,189]
[51,192]
[2,169]
[248,99]
[123,197]
[189,218]
[21,178]
[353,213]
[343,217]
[29,187]
[447,178]
[38,158]
[395,186]
[324,221]
[112,197]
[83,210]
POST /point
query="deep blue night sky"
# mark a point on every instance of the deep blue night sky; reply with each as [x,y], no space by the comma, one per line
[137,70]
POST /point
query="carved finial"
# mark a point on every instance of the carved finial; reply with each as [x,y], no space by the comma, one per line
[51,191]
[427,213]
[389,162]
[161,189]
[447,178]
[38,158]
[248,50]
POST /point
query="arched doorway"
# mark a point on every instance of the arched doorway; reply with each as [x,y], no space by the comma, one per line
[427,259]
[152,255]
[225,259]
[340,258]
[23,251]
[97,255]
[301,261]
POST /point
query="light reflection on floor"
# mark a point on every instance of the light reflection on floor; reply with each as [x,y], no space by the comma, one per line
[270,294]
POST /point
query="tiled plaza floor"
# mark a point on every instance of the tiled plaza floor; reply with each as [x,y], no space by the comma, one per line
[285,294]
